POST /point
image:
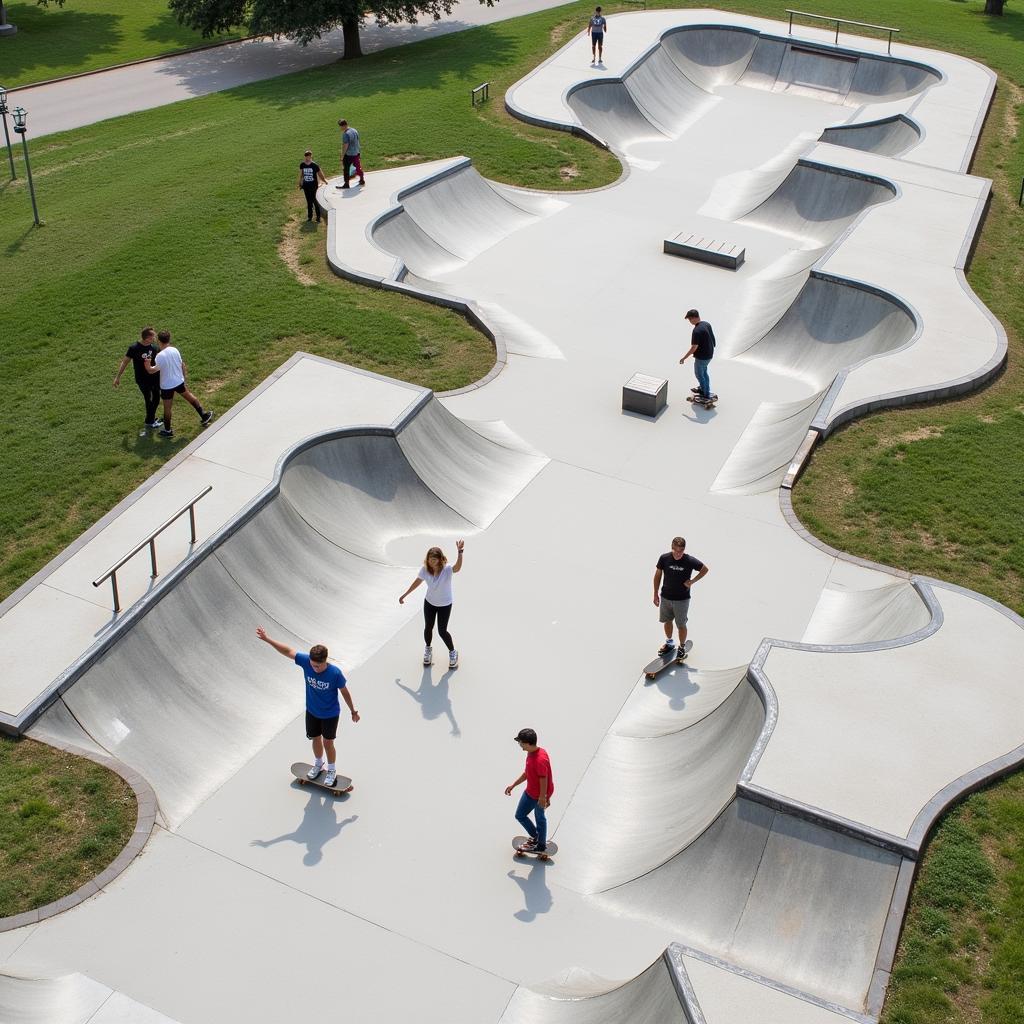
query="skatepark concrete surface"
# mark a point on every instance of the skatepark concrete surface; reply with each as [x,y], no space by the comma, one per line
[738,836]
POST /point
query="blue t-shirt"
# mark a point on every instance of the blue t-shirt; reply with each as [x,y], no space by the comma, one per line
[321,688]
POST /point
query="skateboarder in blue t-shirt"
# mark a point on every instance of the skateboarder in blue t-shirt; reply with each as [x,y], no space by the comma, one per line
[597,26]
[323,684]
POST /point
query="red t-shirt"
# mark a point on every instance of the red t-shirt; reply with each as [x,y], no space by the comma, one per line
[537,764]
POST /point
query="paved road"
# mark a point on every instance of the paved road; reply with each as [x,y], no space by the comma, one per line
[71,104]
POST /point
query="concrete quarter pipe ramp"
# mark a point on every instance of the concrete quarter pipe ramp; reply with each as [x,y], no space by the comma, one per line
[298,566]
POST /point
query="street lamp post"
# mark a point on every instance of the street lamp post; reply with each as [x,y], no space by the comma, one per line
[7,135]
[20,119]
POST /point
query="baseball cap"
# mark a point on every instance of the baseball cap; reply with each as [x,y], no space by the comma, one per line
[526,736]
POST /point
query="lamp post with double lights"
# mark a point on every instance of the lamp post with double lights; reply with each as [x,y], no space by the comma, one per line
[20,126]
[4,111]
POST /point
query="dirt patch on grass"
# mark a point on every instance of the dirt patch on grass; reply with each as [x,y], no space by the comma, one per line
[568,172]
[560,33]
[290,251]
[404,158]
[910,436]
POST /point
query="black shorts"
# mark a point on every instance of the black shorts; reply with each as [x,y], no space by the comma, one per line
[325,727]
[171,392]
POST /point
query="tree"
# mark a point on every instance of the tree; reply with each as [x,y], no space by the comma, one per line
[994,7]
[305,20]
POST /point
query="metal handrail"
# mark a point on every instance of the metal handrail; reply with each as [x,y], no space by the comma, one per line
[483,91]
[843,21]
[111,573]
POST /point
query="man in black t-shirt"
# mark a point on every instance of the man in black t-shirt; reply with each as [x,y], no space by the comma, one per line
[149,385]
[672,582]
[310,178]
[702,348]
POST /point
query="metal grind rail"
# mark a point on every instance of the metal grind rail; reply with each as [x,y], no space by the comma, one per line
[843,21]
[111,573]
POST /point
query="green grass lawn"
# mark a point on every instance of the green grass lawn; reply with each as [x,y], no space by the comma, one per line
[186,217]
[88,34]
[63,819]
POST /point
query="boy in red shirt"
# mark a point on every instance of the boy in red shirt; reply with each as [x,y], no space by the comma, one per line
[540,785]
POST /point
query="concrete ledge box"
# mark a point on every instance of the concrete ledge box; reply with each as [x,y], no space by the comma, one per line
[644,394]
[692,246]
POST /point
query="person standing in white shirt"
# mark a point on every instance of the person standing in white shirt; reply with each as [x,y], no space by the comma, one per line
[171,367]
[437,605]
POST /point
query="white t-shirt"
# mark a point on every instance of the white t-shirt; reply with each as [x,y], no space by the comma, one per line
[171,372]
[439,587]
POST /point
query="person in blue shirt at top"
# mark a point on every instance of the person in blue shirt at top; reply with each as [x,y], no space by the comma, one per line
[597,27]
[323,710]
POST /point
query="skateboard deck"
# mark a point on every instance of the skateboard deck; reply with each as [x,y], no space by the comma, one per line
[708,404]
[517,844]
[663,661]
[343,785]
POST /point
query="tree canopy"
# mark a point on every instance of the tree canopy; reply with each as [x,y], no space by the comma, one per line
[305,20]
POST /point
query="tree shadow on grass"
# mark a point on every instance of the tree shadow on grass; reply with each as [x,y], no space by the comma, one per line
[429,63]
[1011,24]
[54,39]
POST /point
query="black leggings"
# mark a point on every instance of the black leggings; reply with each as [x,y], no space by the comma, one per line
[151,395]
[432,612]
[312,207]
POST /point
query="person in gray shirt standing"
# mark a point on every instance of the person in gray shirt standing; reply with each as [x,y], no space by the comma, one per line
[350,159]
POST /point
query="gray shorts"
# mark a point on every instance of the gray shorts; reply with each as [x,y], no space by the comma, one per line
[678,610]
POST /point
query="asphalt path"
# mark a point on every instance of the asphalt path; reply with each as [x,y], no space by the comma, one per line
[72,103]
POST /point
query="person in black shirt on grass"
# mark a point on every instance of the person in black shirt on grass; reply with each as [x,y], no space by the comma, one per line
[310,178]
[702,348]
[148,385]
[672,582]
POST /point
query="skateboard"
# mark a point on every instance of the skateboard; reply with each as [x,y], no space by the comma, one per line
[673,657]
[343,785]
[708,403]
[517,844]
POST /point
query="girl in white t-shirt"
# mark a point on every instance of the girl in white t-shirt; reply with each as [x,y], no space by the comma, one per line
[437,604]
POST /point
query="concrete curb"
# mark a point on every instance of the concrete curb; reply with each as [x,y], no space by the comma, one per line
[145,822]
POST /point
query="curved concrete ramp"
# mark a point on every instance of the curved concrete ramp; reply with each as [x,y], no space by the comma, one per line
[892,136]
[845,616]
[69,999]
[768,297]
[670,100]
[833,75]
[303,565]
[710,56]
[650,998]
[453,217]
[608,111]
[758,876]
[816,203]
[830,327]
[647,795]
[762,456]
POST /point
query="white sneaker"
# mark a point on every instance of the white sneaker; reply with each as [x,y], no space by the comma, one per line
[453,659]
[428,655]
[314,773]
[331,777]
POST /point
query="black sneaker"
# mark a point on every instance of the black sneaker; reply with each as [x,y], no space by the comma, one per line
[694,391]
[153,425]
[666,648]
[166,433]
[206,417]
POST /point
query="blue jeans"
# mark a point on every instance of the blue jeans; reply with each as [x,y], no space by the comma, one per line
[528,806]
[700,369]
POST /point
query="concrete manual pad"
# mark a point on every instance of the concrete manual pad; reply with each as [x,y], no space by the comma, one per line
[565,505]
